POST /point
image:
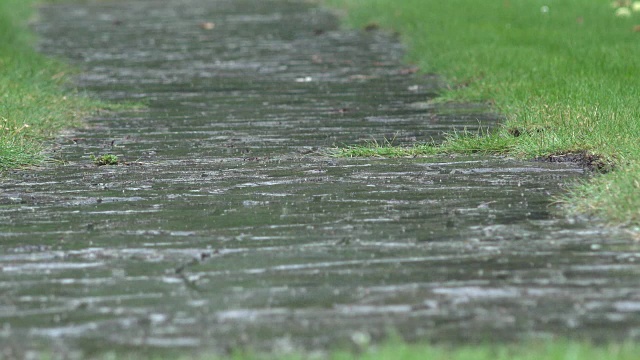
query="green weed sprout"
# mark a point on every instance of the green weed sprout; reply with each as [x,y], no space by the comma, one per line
[106,159]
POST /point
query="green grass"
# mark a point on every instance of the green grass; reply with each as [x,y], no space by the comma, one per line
[557,350]
[396,350]
[455,143]
[34,106]
[105,159]
[566,79]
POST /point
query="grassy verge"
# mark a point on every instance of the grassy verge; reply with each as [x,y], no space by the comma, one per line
[33,104]
[551,350]
[556,350]
[563,72]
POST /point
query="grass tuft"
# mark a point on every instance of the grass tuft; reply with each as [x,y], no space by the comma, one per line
[105,159]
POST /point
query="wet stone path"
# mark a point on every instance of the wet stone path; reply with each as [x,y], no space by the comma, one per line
[230,226]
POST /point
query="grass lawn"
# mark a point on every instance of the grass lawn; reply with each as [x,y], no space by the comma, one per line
[565,73]
[556,350]
[33,104]
[550,350]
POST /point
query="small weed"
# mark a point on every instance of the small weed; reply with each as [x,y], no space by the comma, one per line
[106,159]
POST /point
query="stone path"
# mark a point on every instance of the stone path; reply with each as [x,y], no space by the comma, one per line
[229,226]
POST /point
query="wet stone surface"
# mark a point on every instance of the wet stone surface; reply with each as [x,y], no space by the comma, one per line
[230,226]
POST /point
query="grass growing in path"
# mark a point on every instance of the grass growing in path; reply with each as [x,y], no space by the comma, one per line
[454,143]
[33,104]
[565,73]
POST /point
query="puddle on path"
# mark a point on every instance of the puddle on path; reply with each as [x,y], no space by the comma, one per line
[231,228]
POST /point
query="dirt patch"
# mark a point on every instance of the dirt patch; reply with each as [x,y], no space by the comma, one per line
[591,162]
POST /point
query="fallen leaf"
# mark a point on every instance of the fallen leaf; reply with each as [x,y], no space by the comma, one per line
[207,25]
